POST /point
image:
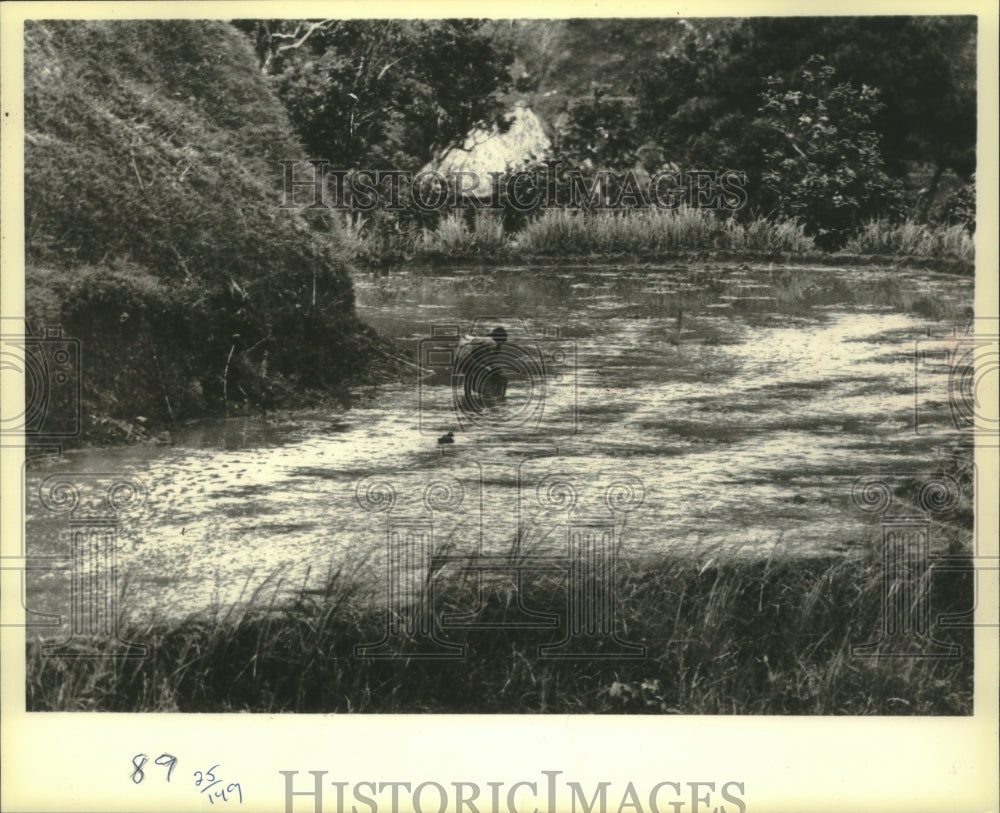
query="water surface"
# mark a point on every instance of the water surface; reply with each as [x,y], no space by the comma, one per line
[738,402]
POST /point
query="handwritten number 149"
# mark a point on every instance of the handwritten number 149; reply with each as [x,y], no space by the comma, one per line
[209,781]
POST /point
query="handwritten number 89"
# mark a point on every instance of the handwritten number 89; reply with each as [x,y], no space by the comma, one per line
[139,760]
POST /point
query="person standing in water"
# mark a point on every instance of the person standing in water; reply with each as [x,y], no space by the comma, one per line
[482,367]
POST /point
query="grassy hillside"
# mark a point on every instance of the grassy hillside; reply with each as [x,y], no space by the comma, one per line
[153,228]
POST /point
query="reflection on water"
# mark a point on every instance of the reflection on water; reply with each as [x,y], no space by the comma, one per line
[745,400]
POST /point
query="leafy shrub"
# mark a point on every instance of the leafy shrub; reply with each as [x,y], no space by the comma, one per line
[600,132]
[828,170]
[961,207]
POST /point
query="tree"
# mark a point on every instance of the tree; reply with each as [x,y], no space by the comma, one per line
[383,93]
[275,38]
[600,132]
[699,98]
[697,102]
[827,169]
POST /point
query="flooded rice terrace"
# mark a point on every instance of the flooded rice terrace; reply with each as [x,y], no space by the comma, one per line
[699,410]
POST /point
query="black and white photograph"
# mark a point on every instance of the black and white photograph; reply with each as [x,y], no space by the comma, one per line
[426,365]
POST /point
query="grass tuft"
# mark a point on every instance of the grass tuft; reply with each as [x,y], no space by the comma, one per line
[453,236]
[913,239]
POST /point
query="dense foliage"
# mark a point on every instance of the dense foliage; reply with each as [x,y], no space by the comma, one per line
[892,112]
[827,167]
[154,233]
[700,100]
[384,94]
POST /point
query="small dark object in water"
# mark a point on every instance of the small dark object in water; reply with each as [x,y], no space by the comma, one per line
[449,438]
[675,339]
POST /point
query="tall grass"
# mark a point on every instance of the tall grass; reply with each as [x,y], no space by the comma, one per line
[453,236]
[913,239]
[726,636]
[646,231]
[762,234]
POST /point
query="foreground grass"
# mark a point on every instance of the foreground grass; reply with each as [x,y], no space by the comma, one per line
[734,637]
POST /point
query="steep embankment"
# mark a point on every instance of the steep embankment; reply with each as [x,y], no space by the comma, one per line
[153,228]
